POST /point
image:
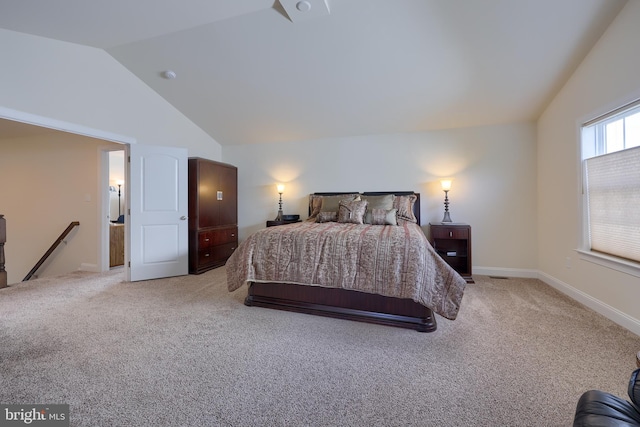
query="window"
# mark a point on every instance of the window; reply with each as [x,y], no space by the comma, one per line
[611,167]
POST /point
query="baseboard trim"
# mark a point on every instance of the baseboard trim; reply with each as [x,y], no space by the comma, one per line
[596,305]
[506,272]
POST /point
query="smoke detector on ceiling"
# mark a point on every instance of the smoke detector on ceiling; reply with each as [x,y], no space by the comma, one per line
[169,74]
[300,10]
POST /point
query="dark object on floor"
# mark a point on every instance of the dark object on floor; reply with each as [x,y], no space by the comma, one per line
[597,408]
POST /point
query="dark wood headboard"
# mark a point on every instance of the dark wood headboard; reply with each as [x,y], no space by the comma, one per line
[416,205]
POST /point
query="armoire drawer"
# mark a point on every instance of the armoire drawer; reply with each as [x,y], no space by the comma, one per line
[224,235]
[215,254]
[222,252]
[217,237]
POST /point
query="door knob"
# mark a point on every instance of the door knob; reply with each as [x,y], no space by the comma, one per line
[183,217]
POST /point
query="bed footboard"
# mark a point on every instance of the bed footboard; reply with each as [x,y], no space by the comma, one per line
[342,304]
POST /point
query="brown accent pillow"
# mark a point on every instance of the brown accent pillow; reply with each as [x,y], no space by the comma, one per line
[377,202]
[404,205]
[383,216]
[327,217]
[352,211]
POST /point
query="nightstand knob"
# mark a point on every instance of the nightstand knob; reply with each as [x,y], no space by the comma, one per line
[451,234]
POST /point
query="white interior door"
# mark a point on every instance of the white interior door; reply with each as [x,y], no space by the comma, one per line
[158,232]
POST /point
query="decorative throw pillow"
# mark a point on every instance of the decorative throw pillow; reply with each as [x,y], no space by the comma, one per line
[352,211]
[377,202]
[382,216]
[404,204]
[327,217]
[319,203]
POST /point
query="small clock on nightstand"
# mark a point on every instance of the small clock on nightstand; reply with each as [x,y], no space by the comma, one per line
[453,243]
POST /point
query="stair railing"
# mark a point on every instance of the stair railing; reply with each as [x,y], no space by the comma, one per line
[3,238]
[51,249]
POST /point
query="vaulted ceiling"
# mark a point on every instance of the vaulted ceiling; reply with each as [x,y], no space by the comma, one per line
[251,71]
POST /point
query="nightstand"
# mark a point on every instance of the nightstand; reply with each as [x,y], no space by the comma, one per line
[274,223]
[453,243]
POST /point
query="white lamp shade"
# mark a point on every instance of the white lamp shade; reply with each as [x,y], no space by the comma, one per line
[280,188]
[446,184]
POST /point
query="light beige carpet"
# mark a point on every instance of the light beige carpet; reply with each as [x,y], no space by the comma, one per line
[185,352]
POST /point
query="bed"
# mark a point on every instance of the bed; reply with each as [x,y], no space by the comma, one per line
[368,263]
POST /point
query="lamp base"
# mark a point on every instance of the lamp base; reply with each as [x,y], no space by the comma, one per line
[279,217]
[447,217]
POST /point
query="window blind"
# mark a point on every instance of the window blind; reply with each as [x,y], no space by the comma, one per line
[613,200]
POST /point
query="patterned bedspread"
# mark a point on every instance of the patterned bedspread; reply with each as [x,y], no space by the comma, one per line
[395,261]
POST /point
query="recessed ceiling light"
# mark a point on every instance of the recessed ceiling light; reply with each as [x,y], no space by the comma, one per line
[169,74]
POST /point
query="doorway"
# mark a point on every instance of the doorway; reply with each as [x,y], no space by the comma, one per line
[154,203]
[61,196]
[116,208]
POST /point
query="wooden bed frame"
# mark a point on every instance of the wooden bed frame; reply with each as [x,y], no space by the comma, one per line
[343,303]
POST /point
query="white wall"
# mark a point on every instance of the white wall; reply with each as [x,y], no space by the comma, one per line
[86,86]
[49,181]
[607,78]
[494,187]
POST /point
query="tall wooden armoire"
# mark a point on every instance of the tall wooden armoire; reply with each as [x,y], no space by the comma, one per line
[213,213]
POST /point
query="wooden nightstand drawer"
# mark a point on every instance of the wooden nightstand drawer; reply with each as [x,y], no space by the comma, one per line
[449,232]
